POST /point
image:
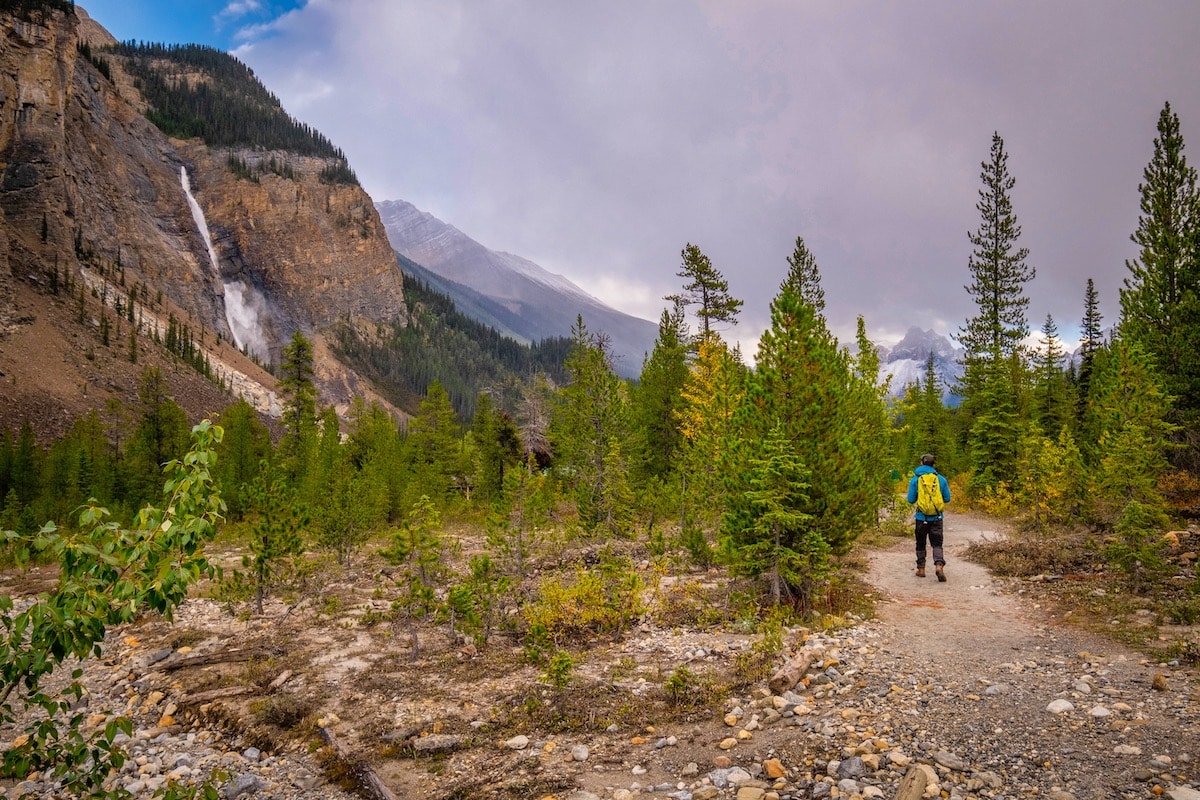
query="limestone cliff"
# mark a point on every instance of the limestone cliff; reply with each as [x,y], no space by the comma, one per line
[88,185]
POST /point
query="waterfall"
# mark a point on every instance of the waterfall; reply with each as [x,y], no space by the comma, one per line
[242,301]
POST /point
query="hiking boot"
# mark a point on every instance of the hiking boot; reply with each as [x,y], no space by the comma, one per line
[920,572]
[941,576]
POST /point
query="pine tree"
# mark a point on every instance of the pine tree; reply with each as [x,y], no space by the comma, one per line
[589,417]
[869,407]
[417,548]
[299,403]
[773,534]
[707,288]
[275,534]
[1135,431]
[992,383]
[434,448]
[1050,409]
[161,435]
[1160,301]
[655,400]
[804,277]
[715,388]
[1093,338]
[242,455]
[998,269]
[803,384]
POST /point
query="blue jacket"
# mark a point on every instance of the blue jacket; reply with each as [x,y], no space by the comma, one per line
[912,488]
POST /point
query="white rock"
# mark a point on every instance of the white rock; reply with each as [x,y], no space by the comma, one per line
[1060,706]
[517,743]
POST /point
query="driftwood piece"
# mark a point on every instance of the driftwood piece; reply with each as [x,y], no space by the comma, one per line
[791,672]
[204,659]
[912,787]
[215,694]
[367,777]
[280,680]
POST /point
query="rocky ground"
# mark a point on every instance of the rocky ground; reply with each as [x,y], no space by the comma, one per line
[969,687]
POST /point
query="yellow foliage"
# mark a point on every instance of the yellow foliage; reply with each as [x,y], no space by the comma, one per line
[997,501]
[588,602]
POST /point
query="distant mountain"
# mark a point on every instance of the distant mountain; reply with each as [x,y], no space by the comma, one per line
[905,361]
[509,293]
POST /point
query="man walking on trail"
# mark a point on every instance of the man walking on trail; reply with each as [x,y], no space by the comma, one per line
[929,492]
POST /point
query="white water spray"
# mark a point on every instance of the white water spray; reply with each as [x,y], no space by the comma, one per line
[242,301]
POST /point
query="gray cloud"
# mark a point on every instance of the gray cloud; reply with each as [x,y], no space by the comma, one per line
[598,138]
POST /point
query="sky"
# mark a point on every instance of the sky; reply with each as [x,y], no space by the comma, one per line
[598,139]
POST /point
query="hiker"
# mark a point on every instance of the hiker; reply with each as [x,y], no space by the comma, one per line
[929,492]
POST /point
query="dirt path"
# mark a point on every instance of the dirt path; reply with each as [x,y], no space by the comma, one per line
[966,616]
[996,661]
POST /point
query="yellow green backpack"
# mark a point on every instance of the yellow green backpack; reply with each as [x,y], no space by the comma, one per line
[929,495]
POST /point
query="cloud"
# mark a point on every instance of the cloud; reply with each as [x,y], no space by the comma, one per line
[236,10]
[597,139]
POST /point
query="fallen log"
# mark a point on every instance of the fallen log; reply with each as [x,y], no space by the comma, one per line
[280,680]
[368,779]
[200,698]
[204,659]
[791,672]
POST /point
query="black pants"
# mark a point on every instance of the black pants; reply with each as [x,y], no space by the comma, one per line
[930,529]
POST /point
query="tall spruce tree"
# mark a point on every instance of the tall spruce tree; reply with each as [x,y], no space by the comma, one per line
[992,380]
[656,398]
[707,288]
[1092,339]
[998,269]
[1160,300]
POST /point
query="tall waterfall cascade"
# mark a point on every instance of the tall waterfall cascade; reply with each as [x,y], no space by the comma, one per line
[242,301]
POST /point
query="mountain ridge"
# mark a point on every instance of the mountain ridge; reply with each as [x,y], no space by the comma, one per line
[539,304]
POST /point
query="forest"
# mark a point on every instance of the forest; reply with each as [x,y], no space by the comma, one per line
[773,472]
[199,91]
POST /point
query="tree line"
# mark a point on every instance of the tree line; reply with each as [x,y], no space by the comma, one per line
[227,107]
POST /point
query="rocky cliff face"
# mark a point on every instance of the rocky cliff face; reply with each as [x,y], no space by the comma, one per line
[88,185]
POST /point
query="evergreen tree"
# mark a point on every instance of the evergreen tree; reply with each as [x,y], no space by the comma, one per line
[656,398]
[1050,409]
[804,278]
[299,403]
[351,506]
[497,449]
[274,533]
[242,455]
[803,384]
[996,431]
[773,534]
[1093,338]
[707,288]
[434,448]
[161,435]
[998,269]
[992,383]
[373,446]
[589,418]
[1135,432]
[715,388]
[869,406]
[1160,301]
[417,548]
